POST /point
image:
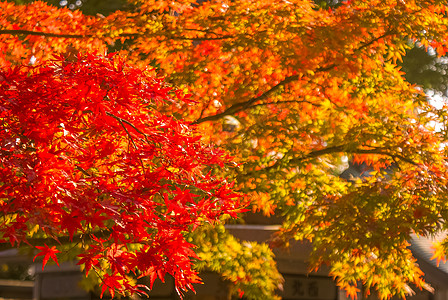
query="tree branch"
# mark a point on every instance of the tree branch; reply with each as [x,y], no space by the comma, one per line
[121,120]
[16,32]
[63,240]
[198,39]
[287,101]
[243,105]
[342,148]
[388,32]
[246,104]
[335,149]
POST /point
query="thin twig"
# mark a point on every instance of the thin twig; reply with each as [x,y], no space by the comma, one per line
[122,121]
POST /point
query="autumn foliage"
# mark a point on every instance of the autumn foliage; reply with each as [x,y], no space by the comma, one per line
[85,155]
[305,88]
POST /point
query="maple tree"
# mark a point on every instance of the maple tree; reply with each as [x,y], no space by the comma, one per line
[305,88]
[87,158]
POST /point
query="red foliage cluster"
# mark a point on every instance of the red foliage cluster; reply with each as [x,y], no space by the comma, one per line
[85,154]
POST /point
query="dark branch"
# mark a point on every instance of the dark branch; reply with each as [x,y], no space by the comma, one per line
[334,149]
[244,105]
[283,102]
[62,240]
[200,39]
[374,40]
[45,34]
[57,35]
[342,148]
[121,120]
[83,36]
[16,32]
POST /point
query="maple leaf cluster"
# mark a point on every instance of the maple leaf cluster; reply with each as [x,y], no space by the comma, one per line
[84,154]
[307,88]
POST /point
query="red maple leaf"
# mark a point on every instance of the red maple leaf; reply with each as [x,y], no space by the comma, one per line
[47,253]
[111,282]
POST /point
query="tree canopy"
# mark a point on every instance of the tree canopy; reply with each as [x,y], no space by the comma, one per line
[85,155]
[293,90]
